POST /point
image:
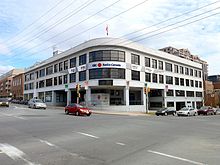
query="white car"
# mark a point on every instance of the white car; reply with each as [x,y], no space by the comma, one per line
[36,103]
[187,111]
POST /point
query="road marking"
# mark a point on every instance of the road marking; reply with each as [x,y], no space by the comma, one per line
[11,115]
[122,144]
[89,135]
[1,152]
[175,157]
[48,143]
[14,153]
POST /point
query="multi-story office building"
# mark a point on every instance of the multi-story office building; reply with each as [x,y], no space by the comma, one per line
[113,75]
[185,53]
[18,86]
[6,82]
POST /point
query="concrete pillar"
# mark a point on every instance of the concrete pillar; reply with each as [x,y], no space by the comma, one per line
[44,97]
[126,96]
[68,96]
[88,96]
[165,96]
[53,98]
[144,99]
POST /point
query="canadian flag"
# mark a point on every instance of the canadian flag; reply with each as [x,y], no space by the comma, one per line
[106,29]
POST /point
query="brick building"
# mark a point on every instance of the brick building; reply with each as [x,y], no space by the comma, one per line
[18,86]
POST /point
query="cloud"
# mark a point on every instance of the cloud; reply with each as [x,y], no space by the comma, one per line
[4,69]
[4,49]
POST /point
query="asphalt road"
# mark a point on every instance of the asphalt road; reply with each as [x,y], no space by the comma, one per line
[49,137]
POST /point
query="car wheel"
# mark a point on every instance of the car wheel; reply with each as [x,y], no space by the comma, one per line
[188,114]
[165,114]
[34,106]
[77,113]
[174,113]
[89,114]
[66,112]
[195,114]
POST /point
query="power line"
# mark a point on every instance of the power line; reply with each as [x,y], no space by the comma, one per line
[39,18]
[66,17]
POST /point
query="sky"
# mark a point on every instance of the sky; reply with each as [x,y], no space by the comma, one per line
[31,29]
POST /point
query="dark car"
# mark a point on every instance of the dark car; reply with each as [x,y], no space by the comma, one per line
[77,109]
[206,110]
[166,111]
[4,102]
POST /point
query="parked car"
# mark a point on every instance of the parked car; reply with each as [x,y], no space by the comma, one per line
[187,111]
[77,109]
[166,111]
[217,111]
[36,103]
[4,102]
[206,110]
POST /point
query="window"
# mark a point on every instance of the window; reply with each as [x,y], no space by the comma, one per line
[107,55]
[60,66]
[48,96]
[170,92]
[107,73]
[191,72]
[82,59]
[82,75]
[176,68]
[55,68]
[196,84]
[65,80]
[49,70]
[181,70]
[198,94]
[49,82]
[42,73]
[169,80]
[160,65]
[66,65]
[106,82]
[55,80]
[32,76]
[147,77]
[60,80]
[181,81]
[187,82]
[37,74]
[168,67]
[186,71]
[200,74]
[161,80]
[180,93]
[190,93]
[147,62]
[41,84]
[135,59]
[170,104]
[72,77]
[200,84]
[73,62]
[154,63]
[192,83]
[196,73]
[154,77]
[135,75]
[177,81]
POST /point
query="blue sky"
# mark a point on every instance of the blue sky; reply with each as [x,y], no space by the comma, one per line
[23,40]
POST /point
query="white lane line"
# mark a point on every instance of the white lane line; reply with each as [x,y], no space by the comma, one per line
[175,157]
[89,135]
[14,153]
[48,143]
[122,144]
[11,115]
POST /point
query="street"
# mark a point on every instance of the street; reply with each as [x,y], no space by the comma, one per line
[49,137]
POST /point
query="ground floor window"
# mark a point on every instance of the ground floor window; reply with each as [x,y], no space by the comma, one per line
[41,95]
[135,98]
[156,104]
[170,104]
[48,96]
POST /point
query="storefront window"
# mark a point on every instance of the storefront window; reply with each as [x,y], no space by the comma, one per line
[107,55]
[107,73]
[48,96]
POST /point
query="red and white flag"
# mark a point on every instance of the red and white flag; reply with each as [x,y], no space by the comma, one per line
[106,29]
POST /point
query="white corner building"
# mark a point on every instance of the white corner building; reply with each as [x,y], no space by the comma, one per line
[113,74]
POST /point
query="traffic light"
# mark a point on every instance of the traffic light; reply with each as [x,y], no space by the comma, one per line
[78,87]
[78,95]
[148,89]
[145,90]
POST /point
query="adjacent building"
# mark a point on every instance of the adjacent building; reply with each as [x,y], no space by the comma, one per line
[18,86]
[6,82]
[113,75]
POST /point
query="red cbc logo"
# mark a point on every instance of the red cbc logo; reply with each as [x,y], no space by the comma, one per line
[99,65]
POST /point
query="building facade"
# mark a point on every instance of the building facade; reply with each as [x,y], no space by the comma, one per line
[114,76]
[6,82]
[18,86]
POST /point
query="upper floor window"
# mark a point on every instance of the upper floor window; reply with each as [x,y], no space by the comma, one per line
[154,63]
[177,81]
[65,79]
[65,65]
[107,73]
[148,77]
[181,81]
[49,82]
[72,77]
[73,62]
[82,59]
[154,77]
[135,75]
[168,67]
[60,66]
[161,79]
[200,74]
[49,70]
[186,71]
[176,68]
[191,72]
[82,75]
[187,82]
[55,68]
[107,55]
[147,62]
[135,59]
[169,80]
[181,70]
[42,73]
[196,73]
[32,76]
[160,65]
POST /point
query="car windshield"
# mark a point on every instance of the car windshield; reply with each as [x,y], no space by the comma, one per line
[3,99]
[184,109]
[38,101]
[203,108]
[163,109]
[80,106]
